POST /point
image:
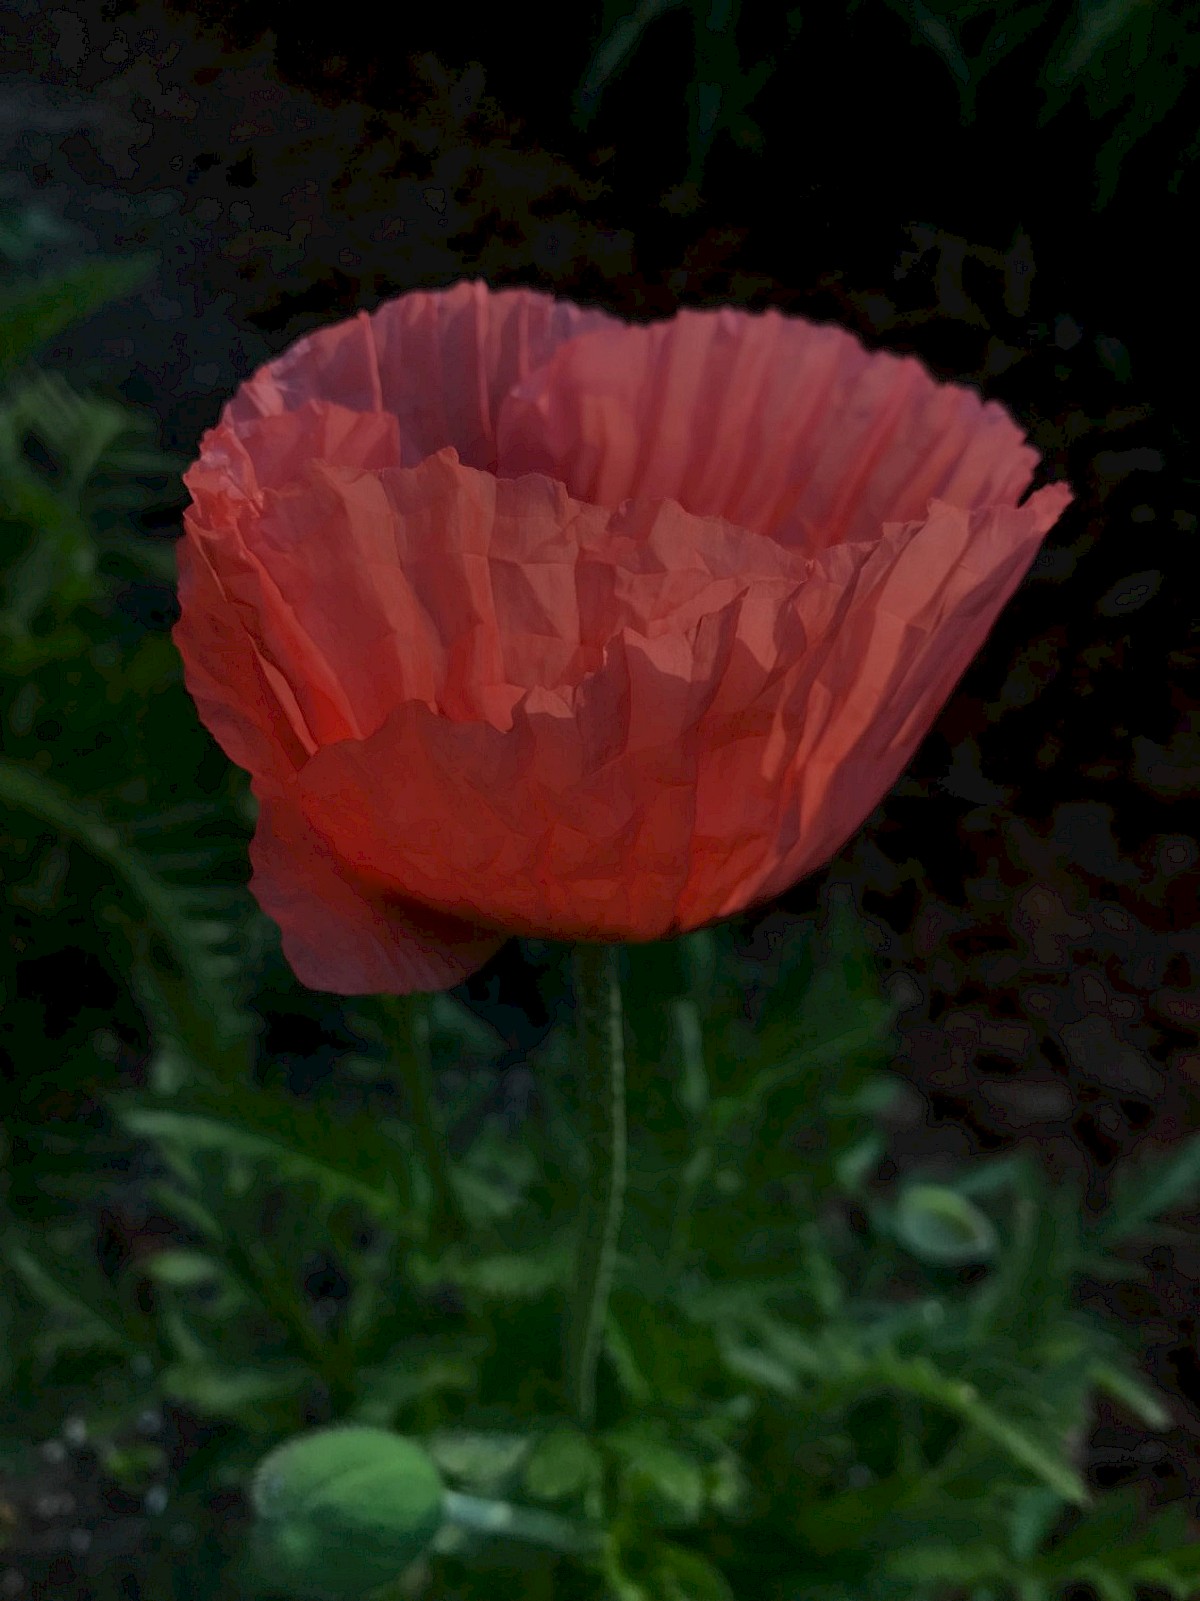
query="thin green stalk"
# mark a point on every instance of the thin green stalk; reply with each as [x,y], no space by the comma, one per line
[410,1019]
[602,1062]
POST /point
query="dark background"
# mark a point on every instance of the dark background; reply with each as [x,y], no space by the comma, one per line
[913,174]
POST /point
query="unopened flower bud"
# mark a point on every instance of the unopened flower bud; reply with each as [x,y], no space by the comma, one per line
[341,1511]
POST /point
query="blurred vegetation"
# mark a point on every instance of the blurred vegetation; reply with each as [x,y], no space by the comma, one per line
[1128,61]
[816,1385]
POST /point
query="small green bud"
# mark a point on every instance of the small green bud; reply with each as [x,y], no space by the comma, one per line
[343,1510]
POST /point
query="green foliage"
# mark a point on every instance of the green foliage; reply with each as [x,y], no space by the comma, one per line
[89,811]
[1127,61]
[814,1385]
[33,311]
[1117,56]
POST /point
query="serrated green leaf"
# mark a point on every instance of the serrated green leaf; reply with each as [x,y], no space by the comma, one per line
[86,1312]
[347,1159]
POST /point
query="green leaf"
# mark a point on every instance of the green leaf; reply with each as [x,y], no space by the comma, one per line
[918,1376]
[183,1270]
[759,1367]
[133,1466]
[74,1293]
[841,1522]
[564,1462]
[499,1276]
[624,1358]
[1132,1393]
[1143,1192]
[411,1376]
[172,953]
[685,1575]
[962,1566]
[856,1164]
[33,312]
[243,1394]
[693,1083]
[611,53]
[667,1479]
[938,1224]
[1035,1512]
[81,431]
[347,1159]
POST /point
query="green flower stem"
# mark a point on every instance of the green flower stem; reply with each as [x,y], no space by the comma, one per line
[479,1516]
[409,1017]
[602,1061]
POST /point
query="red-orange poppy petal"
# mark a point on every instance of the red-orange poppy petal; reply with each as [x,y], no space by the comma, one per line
[439,362]
[546,784]
[884,631]
[789,428]
[698,771]
[268,695]
[343,930]
[242,702]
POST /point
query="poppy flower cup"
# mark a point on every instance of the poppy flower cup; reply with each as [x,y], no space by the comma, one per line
[528,621]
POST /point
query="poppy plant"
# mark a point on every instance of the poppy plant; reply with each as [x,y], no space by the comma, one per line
[525,620]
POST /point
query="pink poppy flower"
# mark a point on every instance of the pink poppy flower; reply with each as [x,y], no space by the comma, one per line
[528,621]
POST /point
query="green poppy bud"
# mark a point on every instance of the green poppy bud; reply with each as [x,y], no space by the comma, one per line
[341,1511]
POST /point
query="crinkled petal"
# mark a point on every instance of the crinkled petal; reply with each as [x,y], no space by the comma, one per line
[573,812]
[439,361]
[887,629]
[446,585]
[247,656]
[786,427]
[342,930]
[247,707]
[574,823]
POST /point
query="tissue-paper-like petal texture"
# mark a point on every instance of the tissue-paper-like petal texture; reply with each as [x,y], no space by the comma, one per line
[528,621]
